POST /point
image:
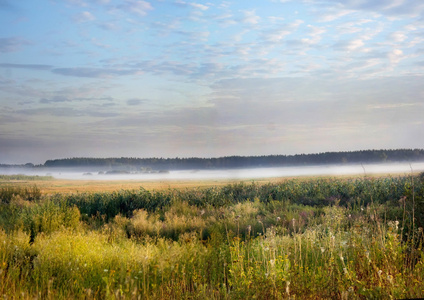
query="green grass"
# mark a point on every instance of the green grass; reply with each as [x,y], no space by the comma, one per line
[304,239]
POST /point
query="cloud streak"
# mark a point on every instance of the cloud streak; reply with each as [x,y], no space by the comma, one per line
[12,44]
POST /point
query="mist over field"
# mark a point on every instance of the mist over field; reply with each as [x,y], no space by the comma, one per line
[241,173]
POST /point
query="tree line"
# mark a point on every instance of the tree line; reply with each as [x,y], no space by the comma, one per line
[231,162]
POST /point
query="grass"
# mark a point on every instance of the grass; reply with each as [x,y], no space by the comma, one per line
[24,177]
[357,238]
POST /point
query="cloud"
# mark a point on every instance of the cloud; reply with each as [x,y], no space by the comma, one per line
[398,37]
[191,4]
[349,45]
[54,99]
[135,101]
[94,72]
[108,26]
[12,44]
[26,66]
[84,17]
[395,56]
[332,14]
[136,7]
[250,17]
[412,8]
[64,111]
[276,34]
[72,95]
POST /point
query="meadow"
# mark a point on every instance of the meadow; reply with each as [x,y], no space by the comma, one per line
[303,238]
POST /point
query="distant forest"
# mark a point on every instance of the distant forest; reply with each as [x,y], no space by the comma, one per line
[231,162]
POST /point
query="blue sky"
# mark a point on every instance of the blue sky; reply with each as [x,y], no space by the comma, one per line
[105,78]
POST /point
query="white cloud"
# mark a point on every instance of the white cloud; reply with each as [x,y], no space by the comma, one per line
[398,36]
[136,7]
[395,56]
[332,14]
[84,16]
[250,17]
[411,8]
[349,45]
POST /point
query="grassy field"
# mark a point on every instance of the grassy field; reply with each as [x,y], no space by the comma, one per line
[49,185]
[304,238]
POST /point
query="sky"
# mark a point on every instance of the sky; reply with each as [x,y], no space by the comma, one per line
[173,78]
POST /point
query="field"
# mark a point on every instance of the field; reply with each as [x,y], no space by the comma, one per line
[305,238]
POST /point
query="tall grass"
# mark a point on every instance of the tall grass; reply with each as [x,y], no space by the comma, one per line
[307,239]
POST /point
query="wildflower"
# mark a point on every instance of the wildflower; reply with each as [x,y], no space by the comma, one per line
[350,290]
[322,249]
[105,270]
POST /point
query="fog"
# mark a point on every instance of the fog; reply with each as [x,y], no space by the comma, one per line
[251,173]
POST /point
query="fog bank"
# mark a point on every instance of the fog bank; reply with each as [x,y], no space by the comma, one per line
[247,173]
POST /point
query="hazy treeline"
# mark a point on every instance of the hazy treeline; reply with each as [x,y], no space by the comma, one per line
[366,156]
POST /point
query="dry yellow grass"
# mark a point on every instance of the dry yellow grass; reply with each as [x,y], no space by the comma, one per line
[74,186]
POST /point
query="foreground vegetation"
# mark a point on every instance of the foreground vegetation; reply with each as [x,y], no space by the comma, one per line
[305,238]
